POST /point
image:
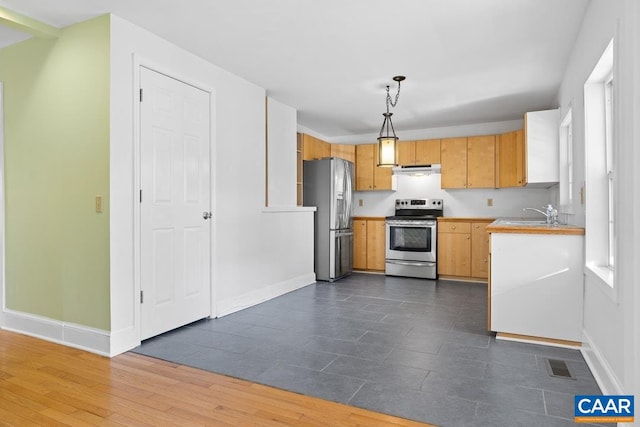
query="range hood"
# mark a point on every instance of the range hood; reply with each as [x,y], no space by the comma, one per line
[417,170]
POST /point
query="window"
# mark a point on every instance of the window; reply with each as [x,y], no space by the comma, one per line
[600,142]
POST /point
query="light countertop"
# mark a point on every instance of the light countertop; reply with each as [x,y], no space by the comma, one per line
[529,226]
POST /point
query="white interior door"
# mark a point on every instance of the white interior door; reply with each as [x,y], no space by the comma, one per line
[175,198]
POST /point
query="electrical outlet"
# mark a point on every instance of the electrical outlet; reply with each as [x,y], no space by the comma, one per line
[489,202]
[360,202]
[98,204]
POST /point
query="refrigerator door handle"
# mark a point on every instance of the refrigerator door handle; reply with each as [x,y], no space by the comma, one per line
[349,191]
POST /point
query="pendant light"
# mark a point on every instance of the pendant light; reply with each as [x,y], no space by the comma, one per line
[387,140]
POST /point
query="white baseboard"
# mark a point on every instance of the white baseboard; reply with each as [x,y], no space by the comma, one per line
[600,368]
[231,305]
[70,334]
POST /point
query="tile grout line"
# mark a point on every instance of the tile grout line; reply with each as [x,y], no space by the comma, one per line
[356,392]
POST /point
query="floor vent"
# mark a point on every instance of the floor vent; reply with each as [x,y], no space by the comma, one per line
[558,368]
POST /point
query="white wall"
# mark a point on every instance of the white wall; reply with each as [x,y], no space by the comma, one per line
[507,202]
[281,140]
[611,324]
[256,254]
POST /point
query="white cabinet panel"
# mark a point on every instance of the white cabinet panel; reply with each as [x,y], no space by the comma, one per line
[537,285]
[542,149]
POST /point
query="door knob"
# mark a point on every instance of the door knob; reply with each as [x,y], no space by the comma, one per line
[206,215]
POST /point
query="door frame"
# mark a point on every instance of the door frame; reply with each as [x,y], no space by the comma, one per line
[138,63]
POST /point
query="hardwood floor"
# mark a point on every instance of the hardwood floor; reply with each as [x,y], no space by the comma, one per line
[43,383]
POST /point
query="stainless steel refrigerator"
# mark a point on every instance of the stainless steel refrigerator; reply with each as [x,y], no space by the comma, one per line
[328,185]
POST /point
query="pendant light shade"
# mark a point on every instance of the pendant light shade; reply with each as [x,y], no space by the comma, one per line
[387,144]
[387,140]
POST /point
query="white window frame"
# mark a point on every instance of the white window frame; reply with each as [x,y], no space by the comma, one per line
[566,164]
[600,136]
[608,106]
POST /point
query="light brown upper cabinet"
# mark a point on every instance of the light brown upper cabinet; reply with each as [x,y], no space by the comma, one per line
[481,158]
[364,167]
[368,175]
[427,152]
[510,159]
[314,148]
[421,152]
[344,151]
[406,153]
[468,162]
[453,157]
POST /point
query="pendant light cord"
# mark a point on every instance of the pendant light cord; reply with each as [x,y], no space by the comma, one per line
[389,100]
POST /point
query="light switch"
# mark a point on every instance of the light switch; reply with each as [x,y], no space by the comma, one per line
[98,204]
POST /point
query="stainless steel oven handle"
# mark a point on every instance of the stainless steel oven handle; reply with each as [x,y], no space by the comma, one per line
[410,263]
[396,223]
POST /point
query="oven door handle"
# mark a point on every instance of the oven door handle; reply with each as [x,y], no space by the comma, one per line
[410,263]
[396,223]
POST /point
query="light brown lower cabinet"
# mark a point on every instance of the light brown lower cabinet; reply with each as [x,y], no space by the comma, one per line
[463,248]
[369,244]
[454,248]
[360,244]
[479,250]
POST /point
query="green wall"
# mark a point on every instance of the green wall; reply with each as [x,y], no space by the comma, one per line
[56,102]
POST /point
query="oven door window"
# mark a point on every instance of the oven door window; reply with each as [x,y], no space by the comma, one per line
[410,239]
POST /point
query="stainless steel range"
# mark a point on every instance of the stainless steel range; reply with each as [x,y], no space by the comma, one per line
[411,247]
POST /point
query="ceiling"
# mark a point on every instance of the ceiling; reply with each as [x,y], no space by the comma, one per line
[466,61]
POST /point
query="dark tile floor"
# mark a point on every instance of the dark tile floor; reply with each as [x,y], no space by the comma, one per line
[414,348]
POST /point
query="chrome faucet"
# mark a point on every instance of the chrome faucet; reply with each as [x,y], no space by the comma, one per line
[550,213]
